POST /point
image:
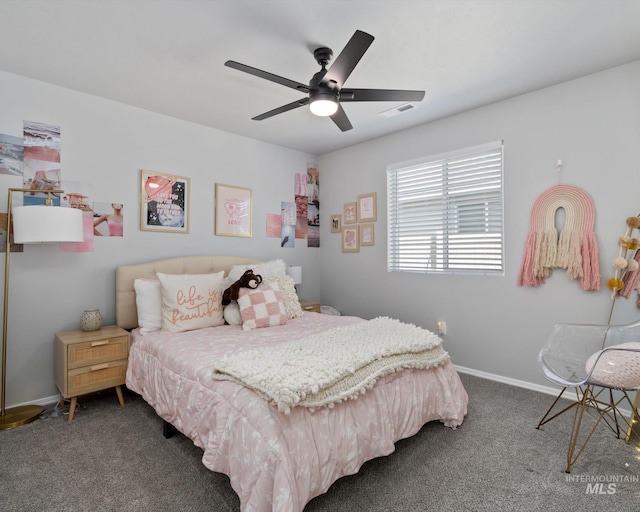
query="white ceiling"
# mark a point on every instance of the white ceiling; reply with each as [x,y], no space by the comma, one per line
[168,56]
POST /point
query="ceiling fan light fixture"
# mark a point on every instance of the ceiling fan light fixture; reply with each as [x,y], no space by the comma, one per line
[323,105]
[325,89]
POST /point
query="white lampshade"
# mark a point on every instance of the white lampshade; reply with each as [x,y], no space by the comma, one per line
[46,224]
[296,274]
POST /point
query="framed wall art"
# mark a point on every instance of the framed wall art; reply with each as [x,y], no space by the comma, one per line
[336,223]
[350,239]
[164,202]
[234,211]
[367,234]
[350,213]
[367,207]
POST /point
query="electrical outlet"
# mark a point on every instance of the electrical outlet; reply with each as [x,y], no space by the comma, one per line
[442,328]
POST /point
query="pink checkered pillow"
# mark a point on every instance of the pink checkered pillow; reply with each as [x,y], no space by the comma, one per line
[261,307]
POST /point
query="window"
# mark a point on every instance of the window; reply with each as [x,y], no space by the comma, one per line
[445,213]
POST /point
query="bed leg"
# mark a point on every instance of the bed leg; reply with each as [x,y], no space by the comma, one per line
[167,429]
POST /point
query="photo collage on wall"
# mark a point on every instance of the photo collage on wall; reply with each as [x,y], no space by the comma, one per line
[313,208]
[11,163]
[33,162]
[300,219]
[41,169]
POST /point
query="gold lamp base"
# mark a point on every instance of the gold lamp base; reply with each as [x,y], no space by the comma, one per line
[22,415]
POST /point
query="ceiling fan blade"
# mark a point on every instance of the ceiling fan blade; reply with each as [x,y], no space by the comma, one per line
[341,119]
[348,58]
[282,109]
[380,95]
[267,76]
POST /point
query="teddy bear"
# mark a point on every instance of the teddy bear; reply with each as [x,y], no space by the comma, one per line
[247,280]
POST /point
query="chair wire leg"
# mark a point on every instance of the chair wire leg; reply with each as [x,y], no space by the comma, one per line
[635,416]
[609,412]
[615,412]
[575,430]
[586,401]
[545,418]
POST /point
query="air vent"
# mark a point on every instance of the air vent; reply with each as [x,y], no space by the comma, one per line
[398,110]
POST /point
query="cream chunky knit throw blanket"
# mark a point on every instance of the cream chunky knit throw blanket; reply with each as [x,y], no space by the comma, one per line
[338,364]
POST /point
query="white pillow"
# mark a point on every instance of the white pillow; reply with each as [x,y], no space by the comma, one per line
[289,295]
[191,301]
[261,307]
[149,304]
[232,313]
[273,268]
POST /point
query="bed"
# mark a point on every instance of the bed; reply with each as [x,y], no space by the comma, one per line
[279,450]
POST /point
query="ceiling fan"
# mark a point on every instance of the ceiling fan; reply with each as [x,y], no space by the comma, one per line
[325,90]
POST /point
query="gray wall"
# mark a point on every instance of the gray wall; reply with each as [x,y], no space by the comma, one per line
[106,144]
[496,328]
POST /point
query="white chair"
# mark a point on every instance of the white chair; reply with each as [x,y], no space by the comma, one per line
[602,364]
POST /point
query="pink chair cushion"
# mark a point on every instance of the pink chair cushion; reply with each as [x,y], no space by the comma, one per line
[618,369]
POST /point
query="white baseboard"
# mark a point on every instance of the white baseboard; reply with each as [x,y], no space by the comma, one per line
[506,380]
[524,384]
[41,401]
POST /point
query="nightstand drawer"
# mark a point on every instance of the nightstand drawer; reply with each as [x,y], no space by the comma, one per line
[96,377]
[97,351]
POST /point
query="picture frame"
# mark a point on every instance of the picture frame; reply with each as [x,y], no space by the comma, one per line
[350,211]
[367,234]
[367,208]
[350,239]
[233,211]
[335,223]
[164,202]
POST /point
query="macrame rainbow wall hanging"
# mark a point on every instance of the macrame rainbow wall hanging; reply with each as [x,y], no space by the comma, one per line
[576,249]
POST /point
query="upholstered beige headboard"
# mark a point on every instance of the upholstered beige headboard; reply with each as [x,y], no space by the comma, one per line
[126,311]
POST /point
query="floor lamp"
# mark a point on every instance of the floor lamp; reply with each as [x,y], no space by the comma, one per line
[31,225]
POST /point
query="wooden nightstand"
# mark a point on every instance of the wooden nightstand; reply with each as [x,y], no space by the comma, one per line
[310,305]
[90,361]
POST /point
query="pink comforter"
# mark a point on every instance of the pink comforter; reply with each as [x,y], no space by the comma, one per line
[279,462]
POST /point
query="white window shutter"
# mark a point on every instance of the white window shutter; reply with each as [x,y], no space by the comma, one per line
[445,214]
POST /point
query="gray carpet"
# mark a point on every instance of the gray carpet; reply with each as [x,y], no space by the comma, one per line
[113,458]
